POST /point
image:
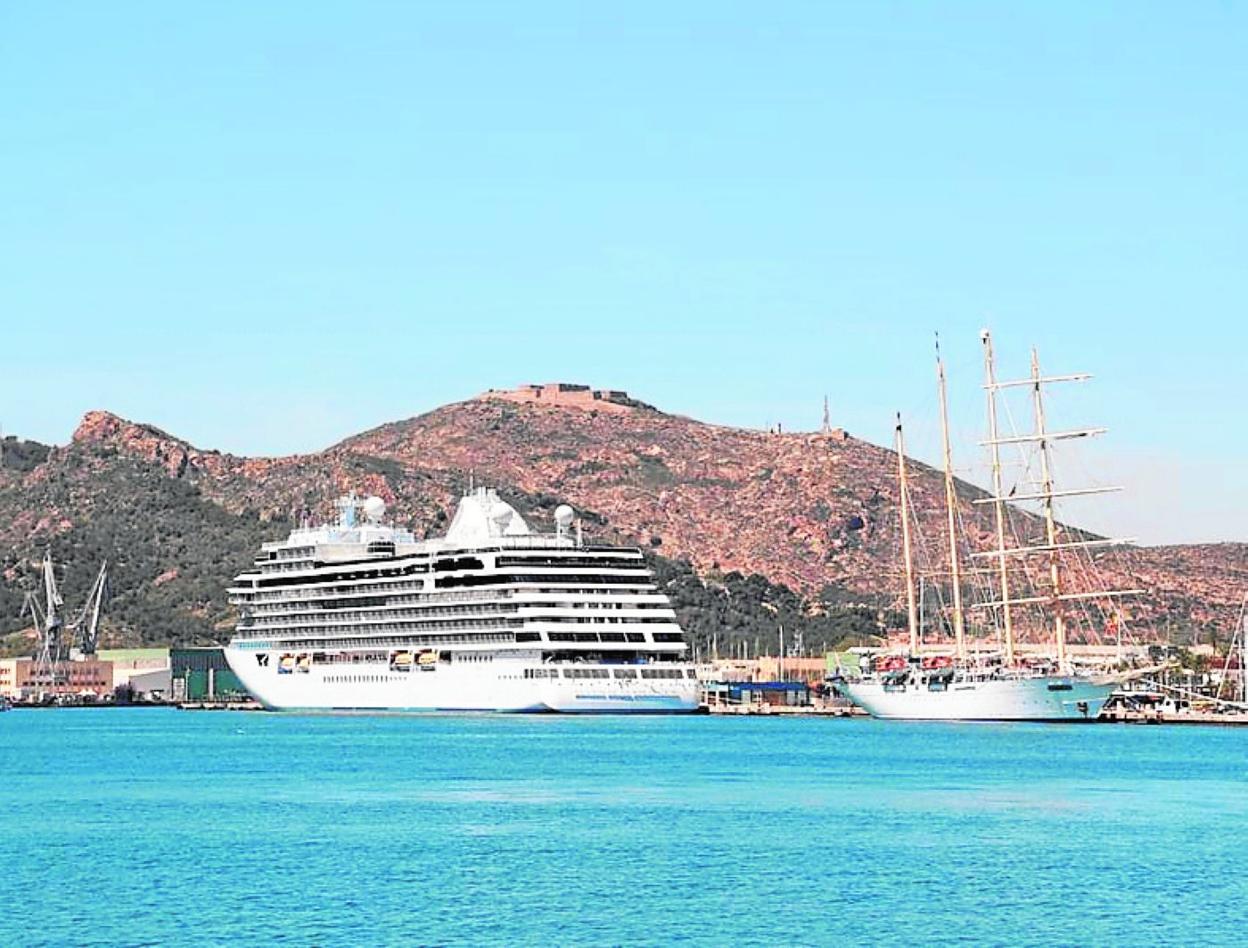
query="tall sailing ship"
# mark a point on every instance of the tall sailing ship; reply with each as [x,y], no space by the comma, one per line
[1000,686]
[494,616]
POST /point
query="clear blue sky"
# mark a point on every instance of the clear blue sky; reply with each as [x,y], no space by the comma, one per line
[266,226]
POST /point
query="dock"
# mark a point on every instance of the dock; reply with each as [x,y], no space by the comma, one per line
[784,710]
[233,705]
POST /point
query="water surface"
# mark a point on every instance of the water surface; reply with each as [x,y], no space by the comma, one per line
[153,826]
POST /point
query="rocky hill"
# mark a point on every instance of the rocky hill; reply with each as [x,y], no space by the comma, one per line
[748,528]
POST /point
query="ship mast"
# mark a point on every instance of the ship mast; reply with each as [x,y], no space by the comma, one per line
[1050,523]
[904,490]
[1053,546]
[951,500]
[990,383]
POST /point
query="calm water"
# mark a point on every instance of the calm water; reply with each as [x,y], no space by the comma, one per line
[163,827]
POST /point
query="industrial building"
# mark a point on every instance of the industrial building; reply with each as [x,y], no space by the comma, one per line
[199,674]
[25,679]
[145,671]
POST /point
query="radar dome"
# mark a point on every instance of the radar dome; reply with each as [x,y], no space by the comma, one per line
[500,513]
[374,509]
[564,515]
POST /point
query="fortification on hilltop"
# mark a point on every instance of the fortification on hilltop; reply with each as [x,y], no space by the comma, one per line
[568,395]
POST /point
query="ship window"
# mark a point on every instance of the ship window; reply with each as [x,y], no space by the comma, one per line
[457,563]
[636,636]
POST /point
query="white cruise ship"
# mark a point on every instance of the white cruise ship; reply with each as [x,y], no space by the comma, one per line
[360,615]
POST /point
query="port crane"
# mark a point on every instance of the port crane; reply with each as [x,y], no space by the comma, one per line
[81,633]
[85,629]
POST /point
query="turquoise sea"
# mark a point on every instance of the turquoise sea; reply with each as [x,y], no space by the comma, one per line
[160,827]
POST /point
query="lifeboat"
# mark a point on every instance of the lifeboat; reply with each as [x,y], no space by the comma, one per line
[891,663]
[401,661]
[286,665]
[427,660]
[304,663]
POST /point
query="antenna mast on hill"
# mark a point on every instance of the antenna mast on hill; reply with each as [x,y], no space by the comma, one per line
[827,417]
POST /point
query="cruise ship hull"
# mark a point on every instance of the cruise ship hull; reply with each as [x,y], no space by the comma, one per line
[1007,699]
[495,686]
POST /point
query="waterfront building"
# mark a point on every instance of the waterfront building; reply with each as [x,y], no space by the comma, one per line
[199,674]
[759,693]
[146,671]
[28,679]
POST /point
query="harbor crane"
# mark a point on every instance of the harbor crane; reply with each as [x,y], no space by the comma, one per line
[55,636]
[85,629]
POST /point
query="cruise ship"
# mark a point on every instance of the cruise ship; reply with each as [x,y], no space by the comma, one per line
[359,615]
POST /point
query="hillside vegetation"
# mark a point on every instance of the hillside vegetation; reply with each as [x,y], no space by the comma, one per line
[747,530]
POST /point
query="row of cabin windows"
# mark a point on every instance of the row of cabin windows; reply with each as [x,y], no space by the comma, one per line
[604,563]
[476,579]
[387,623]
[272,575]
[608,638]
[619,673]
[335,609]
[436,607]
[359,679]
[414,589]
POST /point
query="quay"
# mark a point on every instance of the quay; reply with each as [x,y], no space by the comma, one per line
[785,698]
[822,711]
[229,705]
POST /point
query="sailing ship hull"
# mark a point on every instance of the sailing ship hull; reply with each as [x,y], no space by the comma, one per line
[487,686]
[1067,698]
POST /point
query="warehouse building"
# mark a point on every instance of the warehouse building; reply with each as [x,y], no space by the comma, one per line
[145,671]
[200,674]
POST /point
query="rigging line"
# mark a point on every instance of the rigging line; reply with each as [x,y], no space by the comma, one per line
[928,561]
[1091,573]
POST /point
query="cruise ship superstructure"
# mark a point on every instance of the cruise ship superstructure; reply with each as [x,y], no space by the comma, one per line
[494,616]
